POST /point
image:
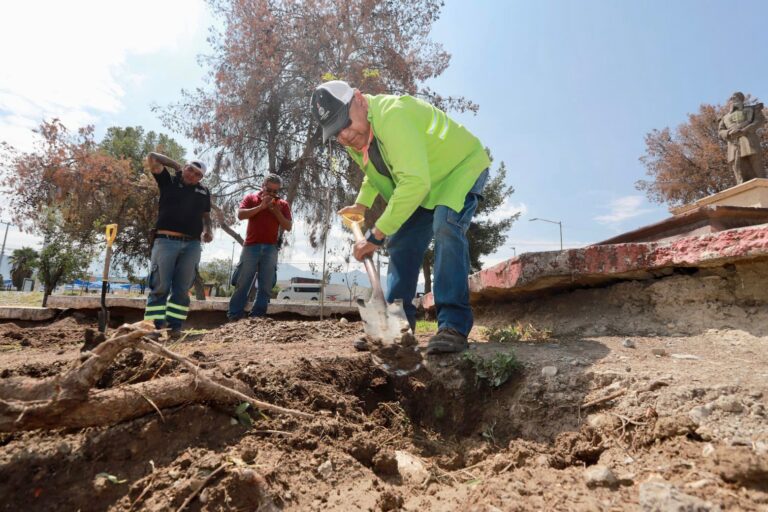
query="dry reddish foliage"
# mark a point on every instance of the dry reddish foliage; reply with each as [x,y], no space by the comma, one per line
[267,59]
[689,163]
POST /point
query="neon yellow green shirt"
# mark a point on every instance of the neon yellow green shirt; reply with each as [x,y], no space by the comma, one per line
[432,159]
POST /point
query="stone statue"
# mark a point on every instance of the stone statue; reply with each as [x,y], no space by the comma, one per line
[739,129]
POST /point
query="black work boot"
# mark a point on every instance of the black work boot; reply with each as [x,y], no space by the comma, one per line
[447,341]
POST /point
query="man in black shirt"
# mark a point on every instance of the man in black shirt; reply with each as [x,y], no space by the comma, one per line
[183,221]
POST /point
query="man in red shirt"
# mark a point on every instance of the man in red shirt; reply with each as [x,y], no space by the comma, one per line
[266,214]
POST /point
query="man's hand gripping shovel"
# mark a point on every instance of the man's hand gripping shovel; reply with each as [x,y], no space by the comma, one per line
[391,341]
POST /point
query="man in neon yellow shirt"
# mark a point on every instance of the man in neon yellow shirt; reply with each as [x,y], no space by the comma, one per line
[431,171]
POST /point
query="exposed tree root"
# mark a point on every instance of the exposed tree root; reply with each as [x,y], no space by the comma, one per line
[68,400]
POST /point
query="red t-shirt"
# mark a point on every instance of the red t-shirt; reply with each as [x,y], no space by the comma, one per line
[263,227]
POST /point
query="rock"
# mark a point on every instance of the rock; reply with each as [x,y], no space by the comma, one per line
[628,343]
[698,484]
[756,394]
[325,469]
[599,476]
[411,469]
[343,321]
[385,463]
[699,413]
[661,352]
[602,421]
[707,450]
[728,404]
[228,339]
[663,497]
[549,371]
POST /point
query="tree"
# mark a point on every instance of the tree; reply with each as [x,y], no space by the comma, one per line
[89,184]
[63,258]
[690,162]
[268,56]
[23,262]
[216,272]
[486,232]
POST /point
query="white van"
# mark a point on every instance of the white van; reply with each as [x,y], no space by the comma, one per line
[300,291]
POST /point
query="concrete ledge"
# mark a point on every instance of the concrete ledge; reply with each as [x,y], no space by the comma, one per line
[540,273]
[138,303]
[26,313]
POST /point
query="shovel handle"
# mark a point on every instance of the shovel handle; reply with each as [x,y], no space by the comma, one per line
[353,221]
[111,234]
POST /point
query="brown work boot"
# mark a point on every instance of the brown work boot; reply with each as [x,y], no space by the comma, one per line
[447,341]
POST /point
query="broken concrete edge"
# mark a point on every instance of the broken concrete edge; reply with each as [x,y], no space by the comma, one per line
[93,303]
[24,313]
[534,273]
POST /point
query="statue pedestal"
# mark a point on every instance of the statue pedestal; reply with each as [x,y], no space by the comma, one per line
[751,194]
[736,207]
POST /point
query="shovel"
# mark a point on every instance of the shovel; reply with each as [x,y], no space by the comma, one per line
[391,340]
[104,313]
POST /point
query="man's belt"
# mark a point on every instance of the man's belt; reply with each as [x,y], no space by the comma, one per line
[183,238]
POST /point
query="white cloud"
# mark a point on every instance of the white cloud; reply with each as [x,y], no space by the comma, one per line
[622,209]
[506,209]
[67,59]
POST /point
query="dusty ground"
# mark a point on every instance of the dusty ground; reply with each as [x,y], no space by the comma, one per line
[689,431]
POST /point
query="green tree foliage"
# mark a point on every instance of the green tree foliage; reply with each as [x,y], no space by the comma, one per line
[23,262]
[63,258]
[217,272]
[689,162]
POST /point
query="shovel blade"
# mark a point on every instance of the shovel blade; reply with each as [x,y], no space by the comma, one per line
[384,323]
[393,346]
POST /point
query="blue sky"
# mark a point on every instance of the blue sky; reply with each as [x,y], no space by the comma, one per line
[567,89]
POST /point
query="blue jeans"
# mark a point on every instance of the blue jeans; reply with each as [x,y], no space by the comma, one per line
[173,267]
[451,269]
[261,258]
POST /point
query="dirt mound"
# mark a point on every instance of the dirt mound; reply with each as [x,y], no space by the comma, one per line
[581,423]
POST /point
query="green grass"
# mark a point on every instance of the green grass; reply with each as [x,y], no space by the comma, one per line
[425,326]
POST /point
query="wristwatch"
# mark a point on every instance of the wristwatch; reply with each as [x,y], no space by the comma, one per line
[369,236]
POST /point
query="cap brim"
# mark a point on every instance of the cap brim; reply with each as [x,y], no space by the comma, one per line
[337,123]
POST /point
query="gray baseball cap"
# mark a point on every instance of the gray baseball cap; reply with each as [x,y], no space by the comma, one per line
[330,106]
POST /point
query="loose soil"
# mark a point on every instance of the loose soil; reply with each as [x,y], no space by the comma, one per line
[688,415]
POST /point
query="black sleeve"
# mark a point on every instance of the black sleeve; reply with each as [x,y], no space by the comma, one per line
[163,178]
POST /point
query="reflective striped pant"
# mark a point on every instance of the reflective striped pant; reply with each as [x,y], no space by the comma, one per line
[172,272]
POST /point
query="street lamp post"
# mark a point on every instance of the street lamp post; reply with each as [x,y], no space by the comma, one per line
[559,223]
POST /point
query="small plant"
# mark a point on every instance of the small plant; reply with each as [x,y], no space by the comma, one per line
[241,415]
[495,370]
[517,332]
[111,478]
[504,334]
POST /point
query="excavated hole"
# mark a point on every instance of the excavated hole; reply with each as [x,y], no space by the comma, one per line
[456,412]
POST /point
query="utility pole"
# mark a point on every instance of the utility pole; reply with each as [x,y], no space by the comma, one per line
[2,251]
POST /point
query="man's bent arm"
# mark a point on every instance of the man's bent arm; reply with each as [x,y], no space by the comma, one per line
[285,223]
[247,213]
[165,161]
